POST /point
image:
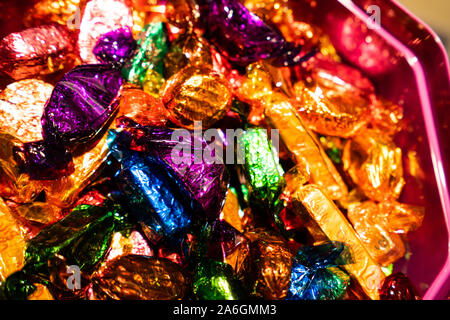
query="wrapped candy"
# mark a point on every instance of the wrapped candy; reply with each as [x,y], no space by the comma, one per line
[138,277]
[122,245]
[37,51]
[115,46]
[315,275]
[271,258]
[325,222]
[215,280]
[303,145]
[374,163]
[79,107]
[141,107]
[65,12]
[242,37]
[187,49]
[100,17]
[41,293]
[397,286]
[12,243]
[21,106]
[182,13]
[206,181]
[377,227]
[232,213]
[142,178]
[387,116]
[330,112]
[151,49]
[196,93]
[261,165]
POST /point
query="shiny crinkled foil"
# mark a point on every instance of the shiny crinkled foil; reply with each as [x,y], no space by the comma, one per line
[21,107]
[374,163]
[134,243]
[37,51]
[303,145]
[326,222]
[101,16]
[41,293]
[12,243]
[196,93]
[136,277]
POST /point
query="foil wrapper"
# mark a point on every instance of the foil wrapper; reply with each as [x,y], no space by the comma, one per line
[243,37]
[100,17]
[327,223]
[141,107]
[182,13]
[37,51]
[397,286]
[64,12]
[270,272]
[215,280]
[136,277]
[154,194]
[115,46]
[21,107]
[374,163]
[12,243]
[261,165]
[303,145]
[122,245]
[152,46]
[331,112]
[387,116]
[196,93]
[378,226]
[232,213]
[205,180]
[41,293]
[187,49]
[315,275]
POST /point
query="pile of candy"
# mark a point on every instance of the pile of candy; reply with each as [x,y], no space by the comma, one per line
[114,186]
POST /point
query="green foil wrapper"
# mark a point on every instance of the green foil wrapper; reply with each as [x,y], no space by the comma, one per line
[261,166]
[215,280]
[152,46]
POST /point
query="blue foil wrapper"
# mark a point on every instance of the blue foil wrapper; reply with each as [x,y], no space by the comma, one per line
[315,275]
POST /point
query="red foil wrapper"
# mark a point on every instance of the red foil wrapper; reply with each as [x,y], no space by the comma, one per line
[37,51]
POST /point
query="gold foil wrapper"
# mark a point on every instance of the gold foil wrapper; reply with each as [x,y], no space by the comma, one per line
[142,107]
[303,145]
[196,93]
[374,163]
[182,13]
[387,116]
[37,212]
[64,12]
[136,277]
[234,215]
[295,177]
[326,222]
[123,245]
[272,264]
[100,17]
[330,112]
[21,107]
[12,243]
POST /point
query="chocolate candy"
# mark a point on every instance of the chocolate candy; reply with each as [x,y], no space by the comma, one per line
[196,93]
[37,51]
[136,277]
[315,275]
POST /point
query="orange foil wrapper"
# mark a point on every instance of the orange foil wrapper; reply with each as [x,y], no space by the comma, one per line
[387,116]
[100,17]
[303,145]
[134,243]
[326,222]
[374,163]
[37,51]
[12,243]
[21,107]
[142,107]
[196,93]
[272,263]
[41,293]
[331,112]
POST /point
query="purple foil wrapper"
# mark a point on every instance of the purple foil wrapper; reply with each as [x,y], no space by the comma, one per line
[243,37]
[115,46]
[80,104]
[207,182]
